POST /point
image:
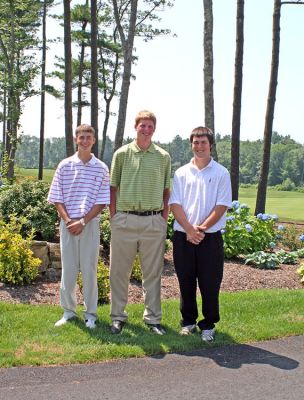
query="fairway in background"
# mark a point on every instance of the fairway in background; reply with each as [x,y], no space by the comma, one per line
[288,206]
[33,174]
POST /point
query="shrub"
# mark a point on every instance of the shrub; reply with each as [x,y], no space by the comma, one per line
[287,257]
[136,270]
[300,271]
[290,238]
[105,229]
[18,266]
[28,199]
[170,230]
[300,253]
[102,283]
[263,260]
[246,234]
[287,185]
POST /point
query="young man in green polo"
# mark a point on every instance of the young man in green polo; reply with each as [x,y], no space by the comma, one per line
[140,189]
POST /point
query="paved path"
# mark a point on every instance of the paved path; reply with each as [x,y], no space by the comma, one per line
[264,370]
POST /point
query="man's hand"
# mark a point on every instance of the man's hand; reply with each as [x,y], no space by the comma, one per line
[195,235]
[75,227]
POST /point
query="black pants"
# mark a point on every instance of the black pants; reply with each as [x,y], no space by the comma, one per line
[202,263]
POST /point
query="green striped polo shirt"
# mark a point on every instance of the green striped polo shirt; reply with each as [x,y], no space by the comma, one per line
[140,177]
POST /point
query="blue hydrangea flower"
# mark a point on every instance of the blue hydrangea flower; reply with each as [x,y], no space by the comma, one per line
[281,228]
[301,237]
[265,217]
[260,216]
[235,204]
[272,245]
[244,205]
[230,218]
[223,231]
[248,228]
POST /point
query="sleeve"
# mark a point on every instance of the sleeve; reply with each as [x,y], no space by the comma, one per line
[55,193]
[176,193]
[224,196]
[103,196]
[168,172]
[116,168]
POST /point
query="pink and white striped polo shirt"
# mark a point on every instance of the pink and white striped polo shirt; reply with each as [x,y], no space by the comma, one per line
[80,186]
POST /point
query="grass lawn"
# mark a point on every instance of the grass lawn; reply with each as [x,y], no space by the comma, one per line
[28,335]
[288,206]
[33,173]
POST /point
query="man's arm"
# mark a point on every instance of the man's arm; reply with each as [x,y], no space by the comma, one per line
[194,235]
[113,192]
[166,196]
[60,207]
[213,217]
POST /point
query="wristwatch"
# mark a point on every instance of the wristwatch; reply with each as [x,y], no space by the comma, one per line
[82,221]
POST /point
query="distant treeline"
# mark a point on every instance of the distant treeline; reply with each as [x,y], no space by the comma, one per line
[286,163]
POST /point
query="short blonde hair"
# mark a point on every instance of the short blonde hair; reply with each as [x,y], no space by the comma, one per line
[84,128]
[145,114]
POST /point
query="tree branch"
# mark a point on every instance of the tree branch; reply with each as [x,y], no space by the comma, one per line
[292,2]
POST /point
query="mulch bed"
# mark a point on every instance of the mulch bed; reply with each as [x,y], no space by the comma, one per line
[237,276]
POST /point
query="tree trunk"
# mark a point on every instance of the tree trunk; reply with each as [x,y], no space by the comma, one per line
[237,101]
[80,74]
[94,74]
[42,104]
[4,119]
[68,80]
[127,46]
[262,186]
[208,69]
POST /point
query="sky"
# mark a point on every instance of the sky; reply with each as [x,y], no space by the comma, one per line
[169,75]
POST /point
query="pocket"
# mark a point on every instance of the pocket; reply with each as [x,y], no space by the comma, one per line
[118,219]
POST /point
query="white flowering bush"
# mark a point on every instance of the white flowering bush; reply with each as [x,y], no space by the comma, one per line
[245,233]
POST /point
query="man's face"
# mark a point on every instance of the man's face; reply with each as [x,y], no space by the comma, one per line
[145,128]
[201,147]
[85,141]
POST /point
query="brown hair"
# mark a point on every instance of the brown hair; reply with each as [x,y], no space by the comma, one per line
[145,114]
[84,128]
[203,131]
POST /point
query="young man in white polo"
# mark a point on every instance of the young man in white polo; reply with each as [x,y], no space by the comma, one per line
[201,194]
[80,190]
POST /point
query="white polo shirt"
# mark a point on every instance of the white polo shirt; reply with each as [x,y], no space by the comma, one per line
[80,186]
[198,191]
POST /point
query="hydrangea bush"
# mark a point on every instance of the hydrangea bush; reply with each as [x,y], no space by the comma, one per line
[245,233]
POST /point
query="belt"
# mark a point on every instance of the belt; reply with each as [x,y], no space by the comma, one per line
[143,213]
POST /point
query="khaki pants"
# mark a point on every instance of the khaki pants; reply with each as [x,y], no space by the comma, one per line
[131,234]
[79,253]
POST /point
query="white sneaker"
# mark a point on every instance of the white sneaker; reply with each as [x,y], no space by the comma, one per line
[187,330]
[90,323]
[208,335]
[61,322]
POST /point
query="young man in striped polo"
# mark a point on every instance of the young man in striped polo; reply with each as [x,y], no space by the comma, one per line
[201,194]
[140,189]
[79,191]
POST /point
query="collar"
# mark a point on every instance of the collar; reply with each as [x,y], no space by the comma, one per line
[77,160]
[209,165]
[134,146]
